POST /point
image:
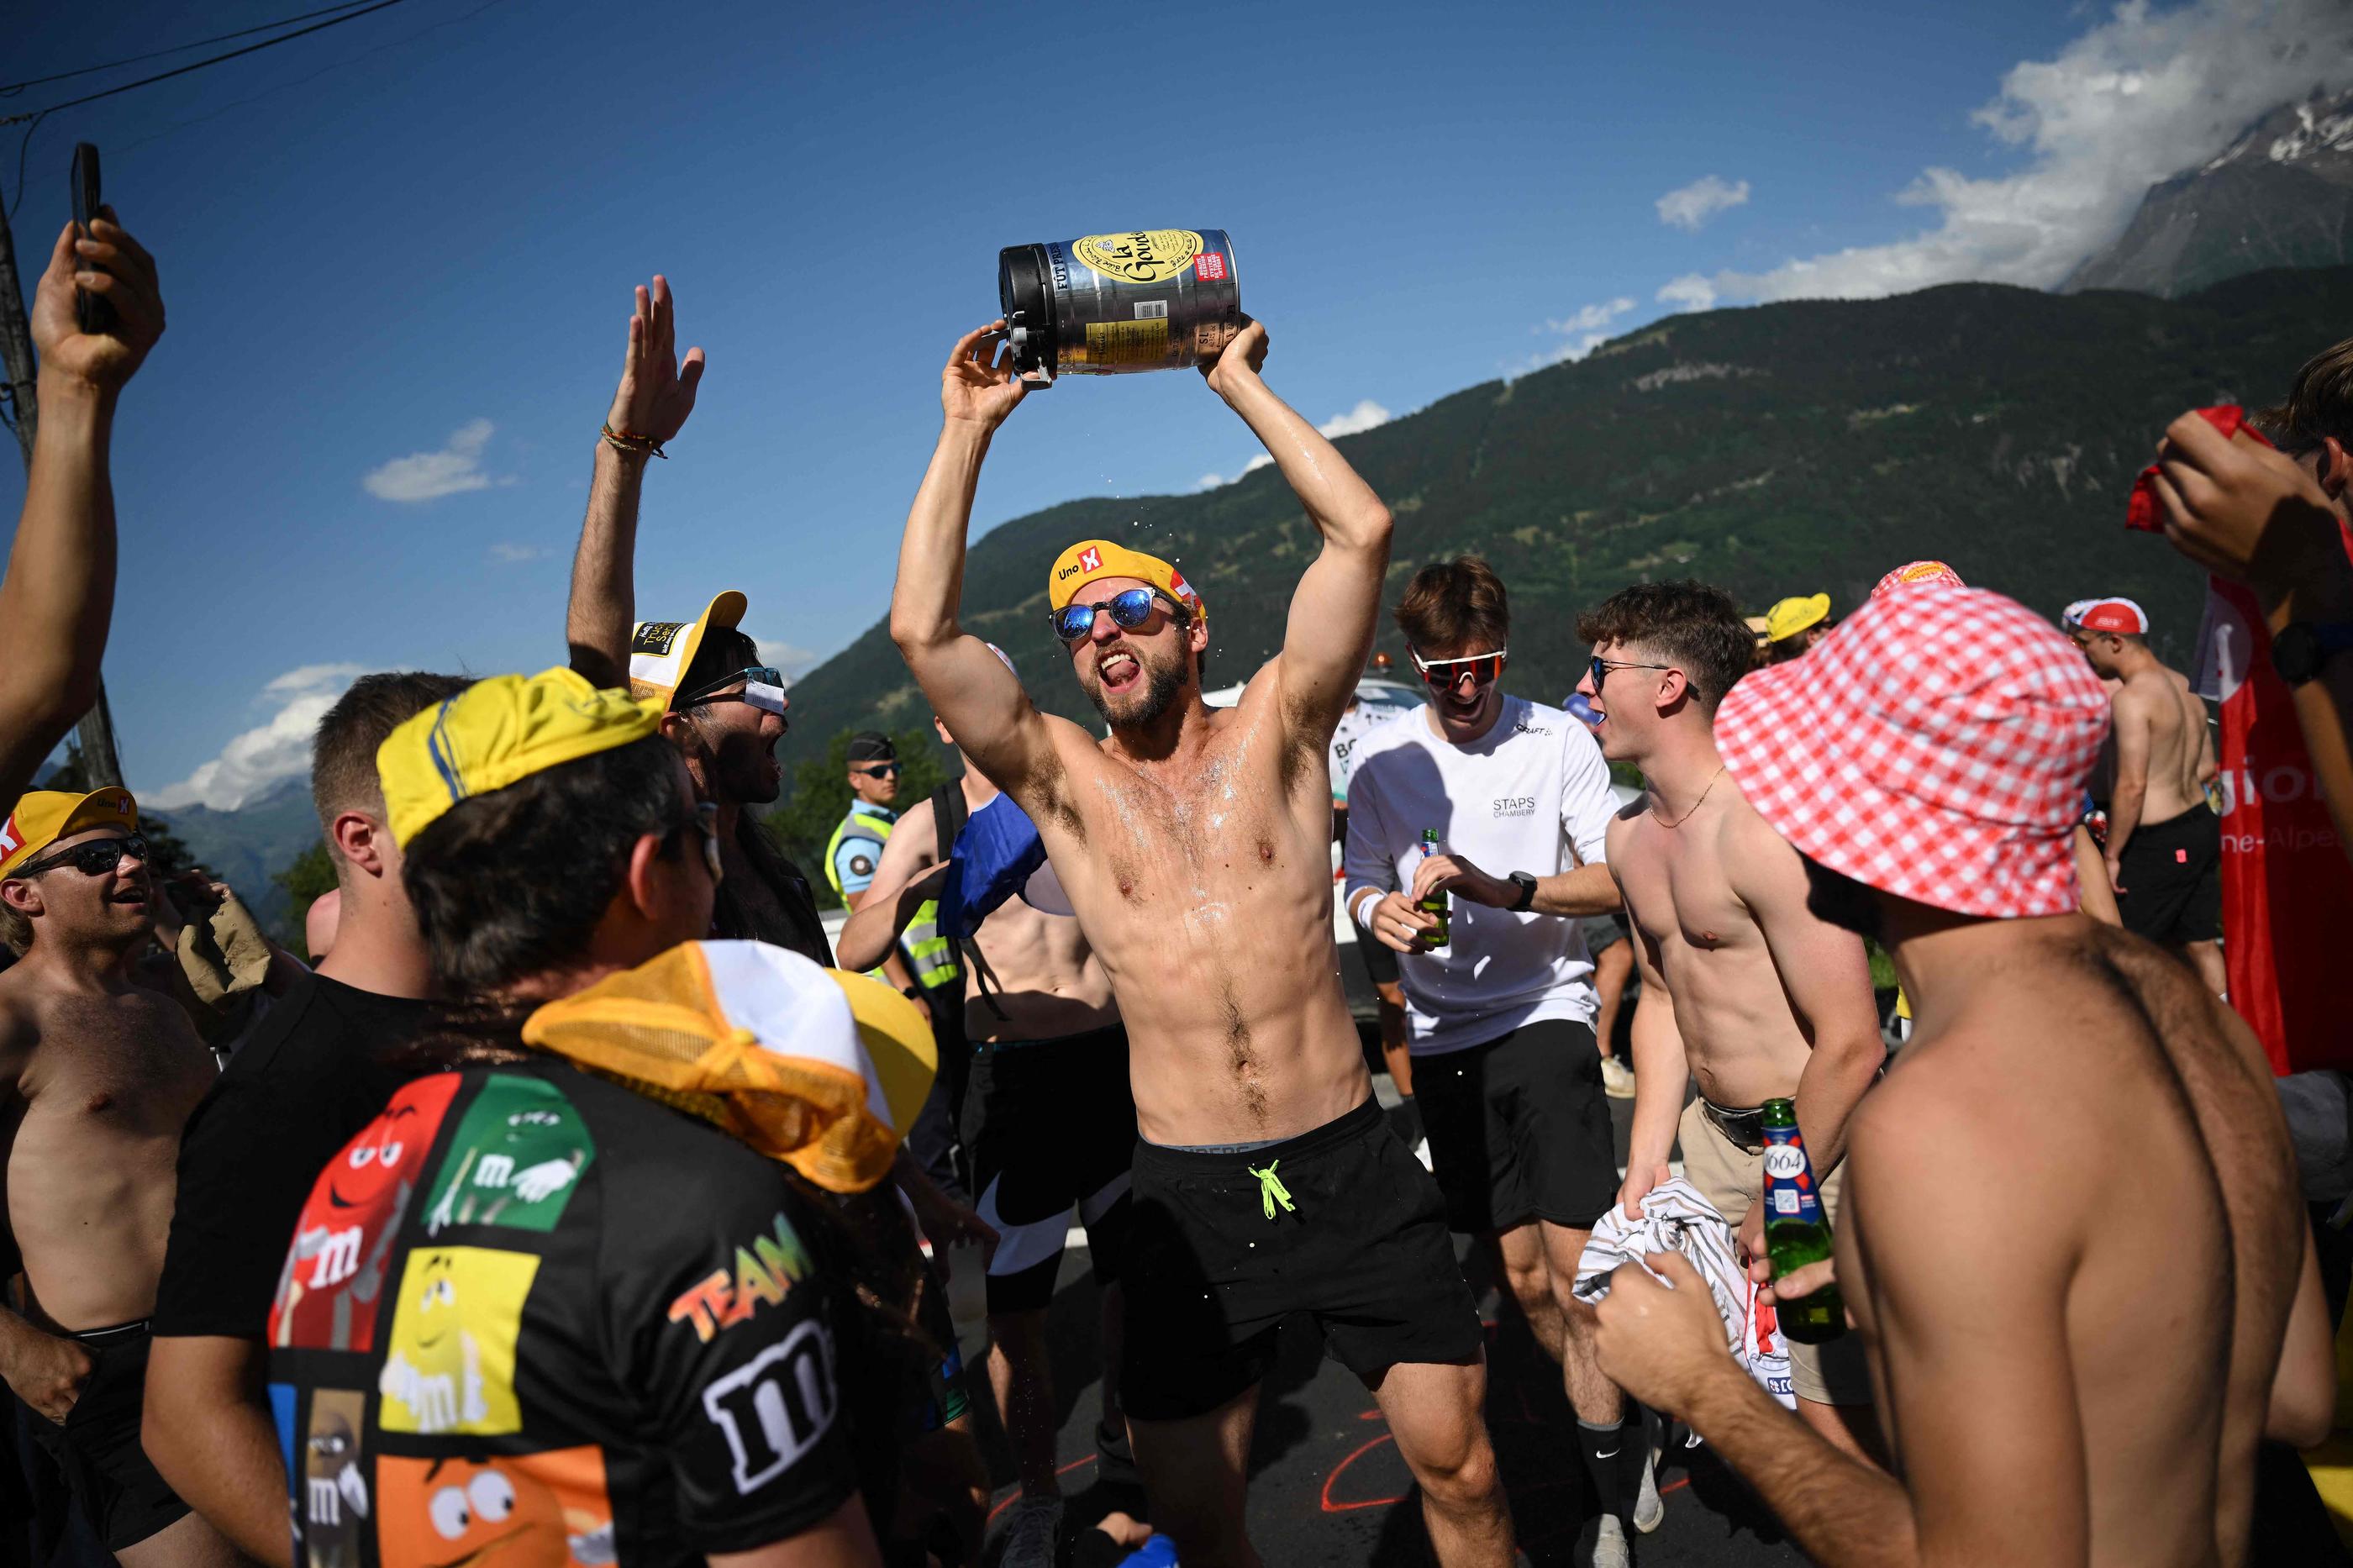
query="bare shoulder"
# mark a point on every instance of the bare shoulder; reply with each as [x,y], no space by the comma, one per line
[1931,1158]
[1757,862]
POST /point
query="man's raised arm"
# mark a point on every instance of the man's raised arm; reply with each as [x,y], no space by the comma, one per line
[650,405]
[977,698]
[1332,611]
[58,595]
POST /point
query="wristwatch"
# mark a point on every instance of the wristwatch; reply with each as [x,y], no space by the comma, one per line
[1525,882]
[2303,648]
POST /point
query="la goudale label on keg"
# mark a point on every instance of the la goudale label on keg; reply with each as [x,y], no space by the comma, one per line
[1141,256]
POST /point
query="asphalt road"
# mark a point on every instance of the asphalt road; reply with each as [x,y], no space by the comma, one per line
[1327,1484]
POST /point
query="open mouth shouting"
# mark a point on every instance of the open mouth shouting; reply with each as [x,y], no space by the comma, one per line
[1118,670]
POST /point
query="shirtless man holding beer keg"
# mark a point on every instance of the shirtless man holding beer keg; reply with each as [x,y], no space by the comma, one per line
[1194,845]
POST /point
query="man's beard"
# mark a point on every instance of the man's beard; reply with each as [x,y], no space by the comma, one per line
[1162,683]
[1839,899]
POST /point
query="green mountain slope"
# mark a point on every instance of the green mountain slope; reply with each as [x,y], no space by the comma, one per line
[1779,449]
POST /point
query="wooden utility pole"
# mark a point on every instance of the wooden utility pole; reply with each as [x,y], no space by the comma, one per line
[95,731]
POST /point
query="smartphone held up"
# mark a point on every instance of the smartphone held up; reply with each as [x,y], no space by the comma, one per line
[91,313]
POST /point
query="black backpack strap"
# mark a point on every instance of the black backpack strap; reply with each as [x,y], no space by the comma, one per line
[949,813]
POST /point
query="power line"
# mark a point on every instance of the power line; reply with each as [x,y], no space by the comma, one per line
[12,89]
[199,65]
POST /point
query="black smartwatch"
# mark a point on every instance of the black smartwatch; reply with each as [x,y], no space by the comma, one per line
[2304,647]
[1525,882]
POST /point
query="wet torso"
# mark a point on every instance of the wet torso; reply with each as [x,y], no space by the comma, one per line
[1739,1034]
[2177,1299]
[103,1079]
[1204,884]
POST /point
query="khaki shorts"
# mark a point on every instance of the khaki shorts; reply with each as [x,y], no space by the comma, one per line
[1732,1179]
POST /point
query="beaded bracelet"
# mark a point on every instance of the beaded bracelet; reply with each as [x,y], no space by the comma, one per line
[624,442]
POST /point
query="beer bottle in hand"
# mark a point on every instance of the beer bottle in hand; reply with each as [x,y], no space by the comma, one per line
[1437,903]
[1796,1230]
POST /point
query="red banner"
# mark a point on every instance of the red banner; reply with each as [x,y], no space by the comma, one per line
[2286,883]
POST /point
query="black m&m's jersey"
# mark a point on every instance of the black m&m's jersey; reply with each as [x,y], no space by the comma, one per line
[529,1315]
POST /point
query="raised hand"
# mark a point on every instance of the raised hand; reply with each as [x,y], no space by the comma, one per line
[109,359]
[979,385]
[2244,512]
[1244,356]
[657,392]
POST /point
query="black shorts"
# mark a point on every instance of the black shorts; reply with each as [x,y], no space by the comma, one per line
[1341,1223]
[1519,1129]
[2172,873]
[98,1447]
[1051,1127]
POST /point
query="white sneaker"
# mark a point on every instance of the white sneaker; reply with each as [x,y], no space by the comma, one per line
[1617,1079]
[1611,1547]
[1030,1537]
[1650,1508]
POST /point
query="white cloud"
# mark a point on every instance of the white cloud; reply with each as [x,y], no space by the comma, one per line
[510,555]
[268,753]
[1700,201]
[1364,416]
[429,476]
[1211,481]
[790,658]
[1356,420]
[1584,329]
[1689,292]
[2137,99]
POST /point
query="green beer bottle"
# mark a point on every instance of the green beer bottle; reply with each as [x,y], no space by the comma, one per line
[1796,1230]
[1437,903]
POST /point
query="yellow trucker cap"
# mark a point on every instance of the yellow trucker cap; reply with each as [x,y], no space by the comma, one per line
[496,732]
[1789,616]
[1092,558]
[817,1068]
[661,651]
[45,815]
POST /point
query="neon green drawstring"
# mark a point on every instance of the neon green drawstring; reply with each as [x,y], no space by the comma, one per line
[1271,1190]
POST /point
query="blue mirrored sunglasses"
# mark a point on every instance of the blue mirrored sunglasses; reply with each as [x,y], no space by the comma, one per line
[1075,622]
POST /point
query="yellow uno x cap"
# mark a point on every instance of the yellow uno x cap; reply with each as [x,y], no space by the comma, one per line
[1794,614]
[497,732]
[1092,558]
[659,651]
[817,1068]
[45,815]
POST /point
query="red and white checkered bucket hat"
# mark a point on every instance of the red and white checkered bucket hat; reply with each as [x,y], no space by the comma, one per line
[1933,747]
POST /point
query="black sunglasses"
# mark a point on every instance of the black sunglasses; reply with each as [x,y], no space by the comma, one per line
[95,858]
[1600,668]
[878,771]
[1075,622]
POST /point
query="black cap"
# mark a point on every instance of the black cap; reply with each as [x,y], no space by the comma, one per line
[867,746]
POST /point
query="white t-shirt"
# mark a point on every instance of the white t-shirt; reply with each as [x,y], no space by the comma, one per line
[1510,801]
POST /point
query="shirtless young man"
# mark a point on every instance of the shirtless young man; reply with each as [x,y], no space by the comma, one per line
[2065,1378]
[97,1076]
[1195,846]
[2165,843]
[1050,1124]
[1743,987]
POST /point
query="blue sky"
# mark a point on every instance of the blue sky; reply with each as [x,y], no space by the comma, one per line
[416,234]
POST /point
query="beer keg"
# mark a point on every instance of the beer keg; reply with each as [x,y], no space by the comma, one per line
[1104,304]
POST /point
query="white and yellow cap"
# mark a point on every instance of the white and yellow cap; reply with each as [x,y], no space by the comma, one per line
[821,1069]
[661,651]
